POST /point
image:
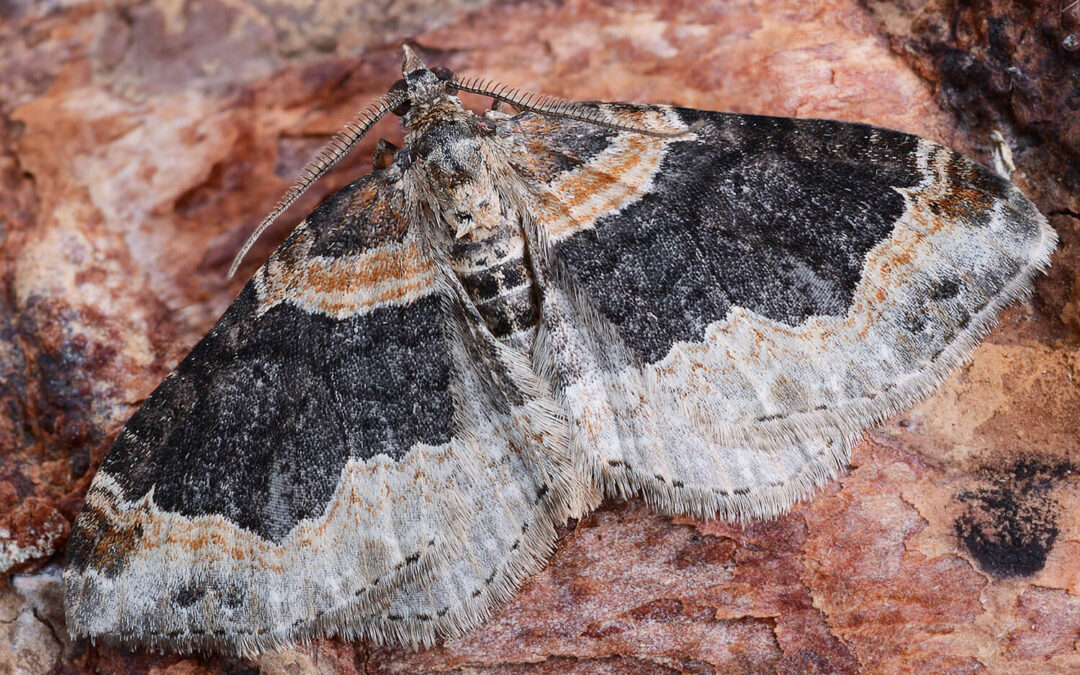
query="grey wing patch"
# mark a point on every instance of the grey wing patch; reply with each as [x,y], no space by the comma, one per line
[242,507]
[726,312]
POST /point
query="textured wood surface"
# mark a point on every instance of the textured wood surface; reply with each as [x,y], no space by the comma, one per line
[141,141]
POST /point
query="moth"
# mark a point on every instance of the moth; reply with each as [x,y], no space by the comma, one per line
[512,316]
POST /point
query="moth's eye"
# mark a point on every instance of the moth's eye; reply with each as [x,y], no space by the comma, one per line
[400,86]
[444,74]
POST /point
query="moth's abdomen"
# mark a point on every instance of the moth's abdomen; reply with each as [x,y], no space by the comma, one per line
[496,276]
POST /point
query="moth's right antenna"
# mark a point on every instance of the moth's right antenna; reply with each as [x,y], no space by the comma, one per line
[336,148]
[556,107]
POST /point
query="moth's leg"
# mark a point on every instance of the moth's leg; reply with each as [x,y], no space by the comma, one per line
[1002,154]
[498,105]
[384,154]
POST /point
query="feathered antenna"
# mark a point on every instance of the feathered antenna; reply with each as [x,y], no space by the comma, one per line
[336,148]
[556,107]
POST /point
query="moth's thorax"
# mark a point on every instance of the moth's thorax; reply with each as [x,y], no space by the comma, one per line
[441,109]
[465,172]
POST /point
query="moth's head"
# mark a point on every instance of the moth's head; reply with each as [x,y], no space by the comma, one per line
[427,94]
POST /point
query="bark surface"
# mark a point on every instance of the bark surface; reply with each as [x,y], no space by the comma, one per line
[141,141]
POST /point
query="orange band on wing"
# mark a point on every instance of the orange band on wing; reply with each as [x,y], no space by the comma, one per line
[397,274]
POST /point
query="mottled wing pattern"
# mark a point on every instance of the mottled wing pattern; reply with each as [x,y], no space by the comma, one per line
[335,436]
[532,473]
[499,549]
[724,312]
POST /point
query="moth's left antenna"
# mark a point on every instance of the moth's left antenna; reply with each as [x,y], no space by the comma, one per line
[336,148]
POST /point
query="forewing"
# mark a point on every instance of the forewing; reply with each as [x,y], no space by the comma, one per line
[317,449]
[725,311]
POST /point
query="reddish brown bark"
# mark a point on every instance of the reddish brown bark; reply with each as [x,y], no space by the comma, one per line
[140,142]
